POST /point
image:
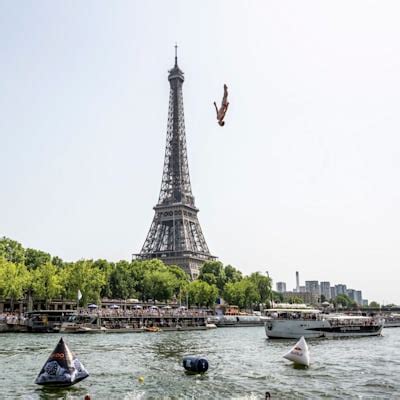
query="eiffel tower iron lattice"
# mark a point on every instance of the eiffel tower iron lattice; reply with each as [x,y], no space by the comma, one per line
[175,235]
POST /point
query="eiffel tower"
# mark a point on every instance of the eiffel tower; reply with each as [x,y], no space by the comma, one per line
[175,235]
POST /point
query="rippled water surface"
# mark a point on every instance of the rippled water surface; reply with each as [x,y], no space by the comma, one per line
[243,365]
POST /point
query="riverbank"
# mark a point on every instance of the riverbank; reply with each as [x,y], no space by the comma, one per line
[117,320]
[92,321]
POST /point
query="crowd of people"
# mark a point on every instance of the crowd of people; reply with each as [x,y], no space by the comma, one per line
[12,318]
[152,311]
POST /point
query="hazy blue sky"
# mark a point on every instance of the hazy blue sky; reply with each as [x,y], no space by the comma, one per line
[304,175]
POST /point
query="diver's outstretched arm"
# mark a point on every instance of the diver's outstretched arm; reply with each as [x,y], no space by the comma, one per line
[216,108]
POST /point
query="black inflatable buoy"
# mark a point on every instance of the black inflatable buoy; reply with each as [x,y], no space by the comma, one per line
[62,368]
[195,364]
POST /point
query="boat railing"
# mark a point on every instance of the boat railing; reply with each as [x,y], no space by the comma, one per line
[365,321]
[294,316]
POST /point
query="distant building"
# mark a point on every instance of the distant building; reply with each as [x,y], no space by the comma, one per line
[352,294]
[302,289]
[341,289]
[359,297]
[355,295]
[326,290]
[308,298]
[281,287]
[297,282]
[333,292]
[312,287]
[365,302]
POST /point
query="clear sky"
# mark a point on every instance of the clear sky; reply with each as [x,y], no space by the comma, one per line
[303,176]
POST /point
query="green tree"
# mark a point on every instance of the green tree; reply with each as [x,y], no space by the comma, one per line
[277,297]
[179,273]
[344,301]
[244,293]
[202,294]
[107,268]
[233,294]
[14,280]
[153,265]
[215,268]
[159,285]
[251,292]
[263,284]
[57,261]
[11,250]
[121,282]
[182,281]
[46,282]
[209,278]
[83,276]
[232,274]
[374,304]
[139,269]
[36,258]
[295,300]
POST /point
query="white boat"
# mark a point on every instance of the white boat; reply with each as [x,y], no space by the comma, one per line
[392,321]
[310,323]
[238,320]
[299,353]
[73,327]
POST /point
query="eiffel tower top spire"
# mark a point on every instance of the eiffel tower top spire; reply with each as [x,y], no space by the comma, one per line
[176,72]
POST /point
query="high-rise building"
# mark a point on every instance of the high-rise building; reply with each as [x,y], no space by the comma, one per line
[175,235]
[341,289]
[281,287]
[302,289]
[312,287]
[358,297]
[352,294]
[307,297]
[326,290]
[333,292]
[355,295]
[297,282]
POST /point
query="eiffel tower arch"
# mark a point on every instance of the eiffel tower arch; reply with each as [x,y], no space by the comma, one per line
[175,235]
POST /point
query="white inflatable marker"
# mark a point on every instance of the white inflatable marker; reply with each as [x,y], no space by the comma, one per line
[299,353]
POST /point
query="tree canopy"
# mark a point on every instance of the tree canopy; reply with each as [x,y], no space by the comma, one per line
[344,301]
[12,251]
[36,274]
[201,293]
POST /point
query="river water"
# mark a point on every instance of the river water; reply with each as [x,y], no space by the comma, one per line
[243,365]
